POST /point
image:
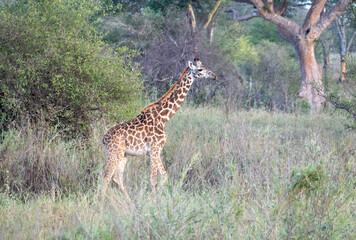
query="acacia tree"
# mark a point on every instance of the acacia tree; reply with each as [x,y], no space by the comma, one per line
[302,38]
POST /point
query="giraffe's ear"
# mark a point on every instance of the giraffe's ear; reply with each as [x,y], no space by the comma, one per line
[191,65]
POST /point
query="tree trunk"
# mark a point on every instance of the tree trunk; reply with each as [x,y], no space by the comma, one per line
[339,27]
[343,70]
[311,88]
[340,30]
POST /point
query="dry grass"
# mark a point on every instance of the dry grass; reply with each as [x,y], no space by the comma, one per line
[255,175]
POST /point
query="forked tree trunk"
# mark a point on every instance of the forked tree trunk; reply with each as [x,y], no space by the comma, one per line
[340,29]
[339,26]
[311,88]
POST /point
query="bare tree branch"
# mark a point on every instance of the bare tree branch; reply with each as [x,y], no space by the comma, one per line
[270,5]
[211,14]
[193,28]
[246,17]
[191,18]
[196,34]
[244,1]
[338,28]
[283,8]
[286,27]
[300,4]
[170,38]
[324,21]
[313,13]
[340,105]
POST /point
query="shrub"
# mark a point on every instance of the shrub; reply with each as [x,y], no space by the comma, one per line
[54,65]
[275,83]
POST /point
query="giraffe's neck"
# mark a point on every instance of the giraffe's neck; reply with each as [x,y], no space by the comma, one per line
[170,107]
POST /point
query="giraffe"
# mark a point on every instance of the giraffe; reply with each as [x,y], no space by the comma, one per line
[145,133]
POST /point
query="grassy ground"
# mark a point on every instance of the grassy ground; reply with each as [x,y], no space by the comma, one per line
[253,175]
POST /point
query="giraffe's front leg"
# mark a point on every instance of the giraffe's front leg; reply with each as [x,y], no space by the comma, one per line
[153,175]
[156,163]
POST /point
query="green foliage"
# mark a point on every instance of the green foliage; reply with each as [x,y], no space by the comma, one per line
[351,66]
[258,30]
[275,77]
[202,8]
[307,178]
[54,66]
[235,46]
[160,5]
[269,67]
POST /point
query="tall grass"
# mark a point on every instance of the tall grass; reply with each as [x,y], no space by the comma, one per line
[253,175]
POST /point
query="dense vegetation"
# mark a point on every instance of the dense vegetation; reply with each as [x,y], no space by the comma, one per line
[54,67]
[246,158]
[294,174]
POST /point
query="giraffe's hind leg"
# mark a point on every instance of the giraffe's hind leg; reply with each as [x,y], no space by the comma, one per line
[109,171]
[115,152]
[119,175]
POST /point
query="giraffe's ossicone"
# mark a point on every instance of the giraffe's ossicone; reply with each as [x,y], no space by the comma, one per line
[145,133]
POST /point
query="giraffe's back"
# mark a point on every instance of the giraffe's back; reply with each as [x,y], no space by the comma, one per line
[135,134]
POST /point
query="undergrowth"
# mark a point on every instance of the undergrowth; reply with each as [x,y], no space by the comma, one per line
[253,175]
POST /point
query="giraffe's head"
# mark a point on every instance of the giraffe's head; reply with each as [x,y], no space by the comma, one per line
[200,71]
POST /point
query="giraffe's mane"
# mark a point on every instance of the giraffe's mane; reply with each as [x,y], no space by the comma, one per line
[183,74]
[166,95]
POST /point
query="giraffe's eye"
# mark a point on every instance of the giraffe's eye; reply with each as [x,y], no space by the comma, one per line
[200,70]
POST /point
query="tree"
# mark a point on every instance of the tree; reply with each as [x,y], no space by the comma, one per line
[54,67]
[340,25]
[302,38]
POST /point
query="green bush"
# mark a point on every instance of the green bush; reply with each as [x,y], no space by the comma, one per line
[275,78]
[55,67]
